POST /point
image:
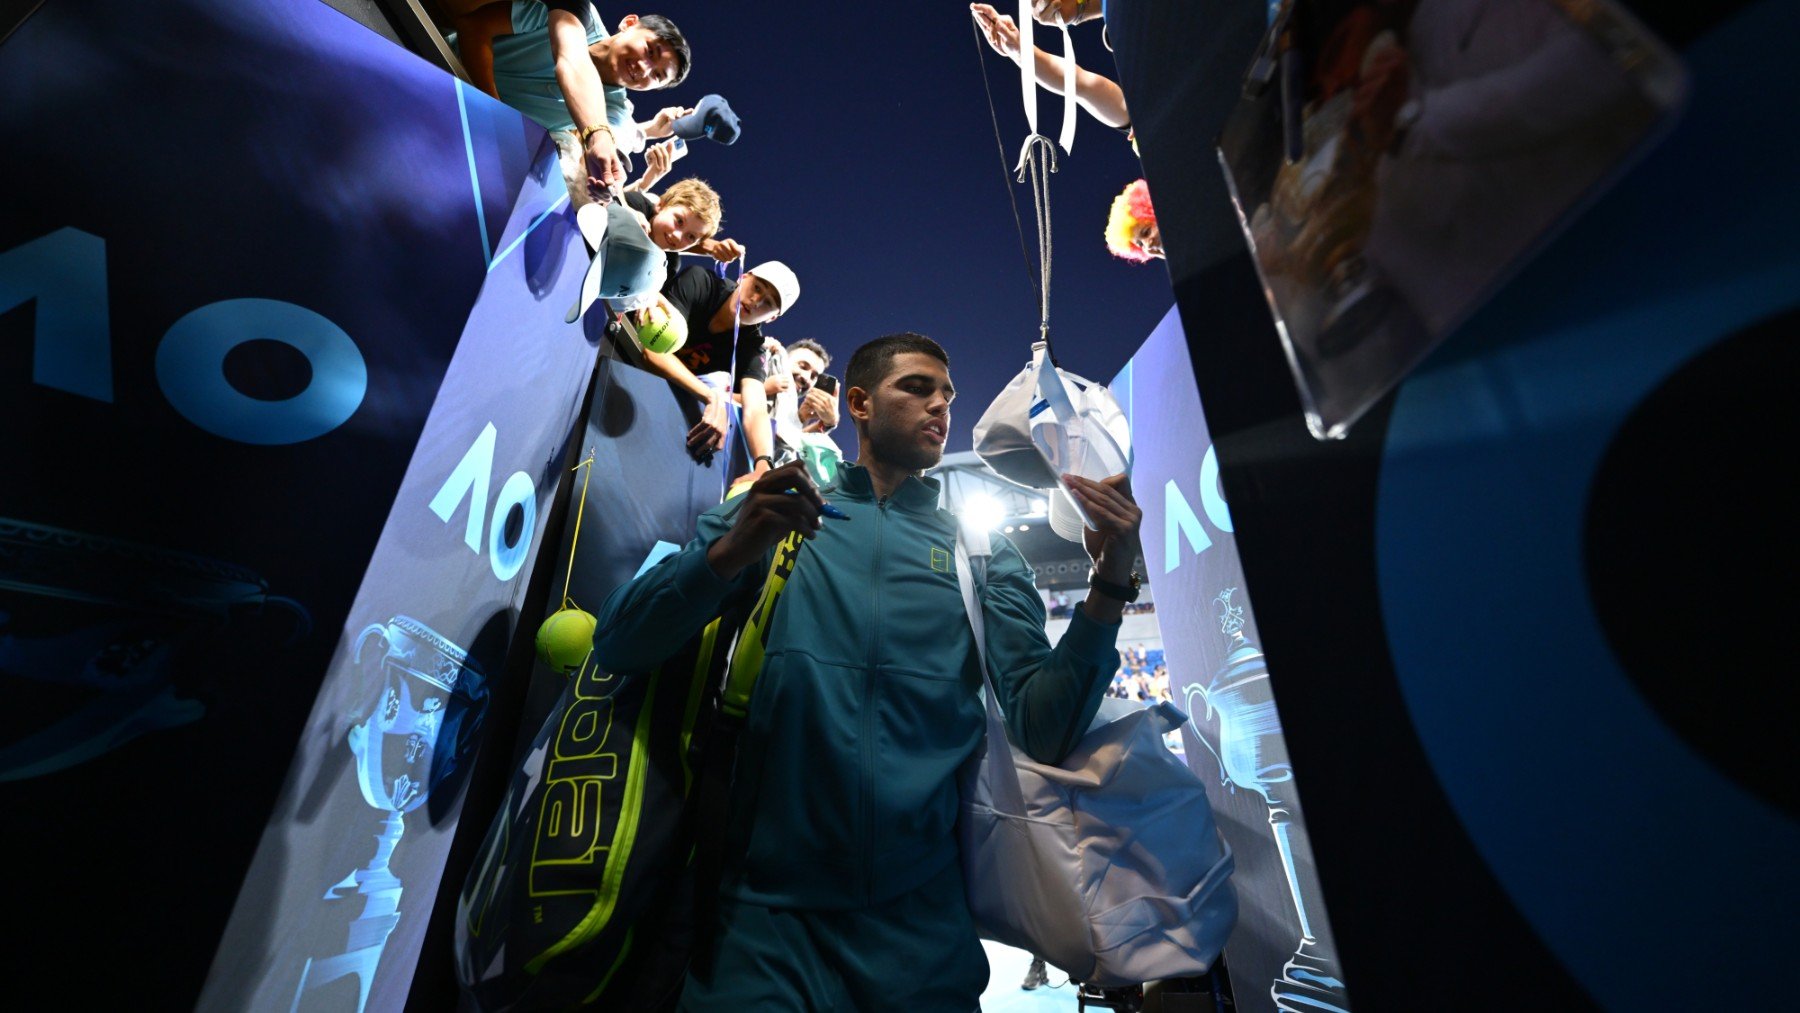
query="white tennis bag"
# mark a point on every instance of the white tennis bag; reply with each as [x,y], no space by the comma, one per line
[1109,865]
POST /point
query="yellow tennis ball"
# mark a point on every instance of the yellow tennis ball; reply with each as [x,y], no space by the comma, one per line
[565,639]
[662,330]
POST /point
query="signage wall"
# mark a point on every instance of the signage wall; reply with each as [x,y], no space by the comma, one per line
[239,270]
[1281,955]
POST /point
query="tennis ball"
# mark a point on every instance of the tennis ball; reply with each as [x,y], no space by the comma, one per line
[565,639]
[661,329]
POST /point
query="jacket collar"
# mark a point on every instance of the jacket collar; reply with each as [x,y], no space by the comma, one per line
[853,482]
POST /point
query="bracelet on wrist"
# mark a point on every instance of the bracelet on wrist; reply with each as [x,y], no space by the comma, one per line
[587,133]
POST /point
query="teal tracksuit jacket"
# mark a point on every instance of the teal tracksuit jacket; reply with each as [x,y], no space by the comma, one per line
[845,794]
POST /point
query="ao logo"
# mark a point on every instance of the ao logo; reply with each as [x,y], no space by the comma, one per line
[65,274]
[470,480]
[1180,520]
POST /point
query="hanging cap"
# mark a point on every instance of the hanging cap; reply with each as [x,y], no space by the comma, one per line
[787,286]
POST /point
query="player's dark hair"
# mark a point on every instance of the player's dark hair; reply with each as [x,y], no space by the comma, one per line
[870,364]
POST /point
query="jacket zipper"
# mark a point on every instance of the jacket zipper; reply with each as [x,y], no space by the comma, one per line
[868,715]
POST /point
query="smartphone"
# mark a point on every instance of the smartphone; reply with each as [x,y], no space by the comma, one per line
[827,383]
[678,149]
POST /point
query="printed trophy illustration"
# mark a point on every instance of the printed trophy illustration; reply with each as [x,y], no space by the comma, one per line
[421,707]
[1252,756]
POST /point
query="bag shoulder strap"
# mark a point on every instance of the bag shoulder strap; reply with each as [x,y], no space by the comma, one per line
[973,547]
[994,758]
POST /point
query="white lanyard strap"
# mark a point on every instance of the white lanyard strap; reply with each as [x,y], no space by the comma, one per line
[1028,76]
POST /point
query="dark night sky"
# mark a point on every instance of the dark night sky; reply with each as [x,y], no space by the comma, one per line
[868,164]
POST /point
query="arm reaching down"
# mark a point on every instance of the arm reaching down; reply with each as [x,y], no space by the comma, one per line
[1049,695]
[1100,96]
[585,95]
[757,432]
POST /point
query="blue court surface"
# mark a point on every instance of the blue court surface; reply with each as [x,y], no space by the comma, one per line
[1006,968]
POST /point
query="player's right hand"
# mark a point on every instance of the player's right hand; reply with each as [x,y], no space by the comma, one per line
[778,504]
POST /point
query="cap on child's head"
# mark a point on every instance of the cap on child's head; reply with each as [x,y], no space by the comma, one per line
[779,275]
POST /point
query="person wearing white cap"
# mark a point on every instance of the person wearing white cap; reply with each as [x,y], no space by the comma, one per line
[716,309]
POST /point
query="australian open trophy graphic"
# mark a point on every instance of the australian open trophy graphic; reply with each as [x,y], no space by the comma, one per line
[420,708]
[1252,756]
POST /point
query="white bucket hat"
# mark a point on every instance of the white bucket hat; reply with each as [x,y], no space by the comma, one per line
[1049,422]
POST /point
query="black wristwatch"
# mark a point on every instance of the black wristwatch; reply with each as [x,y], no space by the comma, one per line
[762,457]
[1117,591]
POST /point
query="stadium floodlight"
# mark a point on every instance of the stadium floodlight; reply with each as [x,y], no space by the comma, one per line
[983,511]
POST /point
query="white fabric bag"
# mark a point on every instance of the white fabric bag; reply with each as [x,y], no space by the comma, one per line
[1108,865]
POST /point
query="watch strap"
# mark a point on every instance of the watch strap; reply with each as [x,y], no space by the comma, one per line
[1121,592]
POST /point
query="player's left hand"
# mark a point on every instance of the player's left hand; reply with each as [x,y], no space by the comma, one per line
[1113,541]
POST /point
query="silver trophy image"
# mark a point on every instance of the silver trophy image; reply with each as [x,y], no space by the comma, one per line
[1253,756]
[421,704]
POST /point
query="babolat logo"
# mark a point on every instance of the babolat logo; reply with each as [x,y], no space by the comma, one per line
[583,756]
[940,560]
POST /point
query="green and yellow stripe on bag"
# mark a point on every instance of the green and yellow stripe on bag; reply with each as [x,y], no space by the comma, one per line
[747,660]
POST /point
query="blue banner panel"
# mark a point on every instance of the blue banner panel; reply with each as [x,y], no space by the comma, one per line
[1281,954]
[335,906]
[240,243]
